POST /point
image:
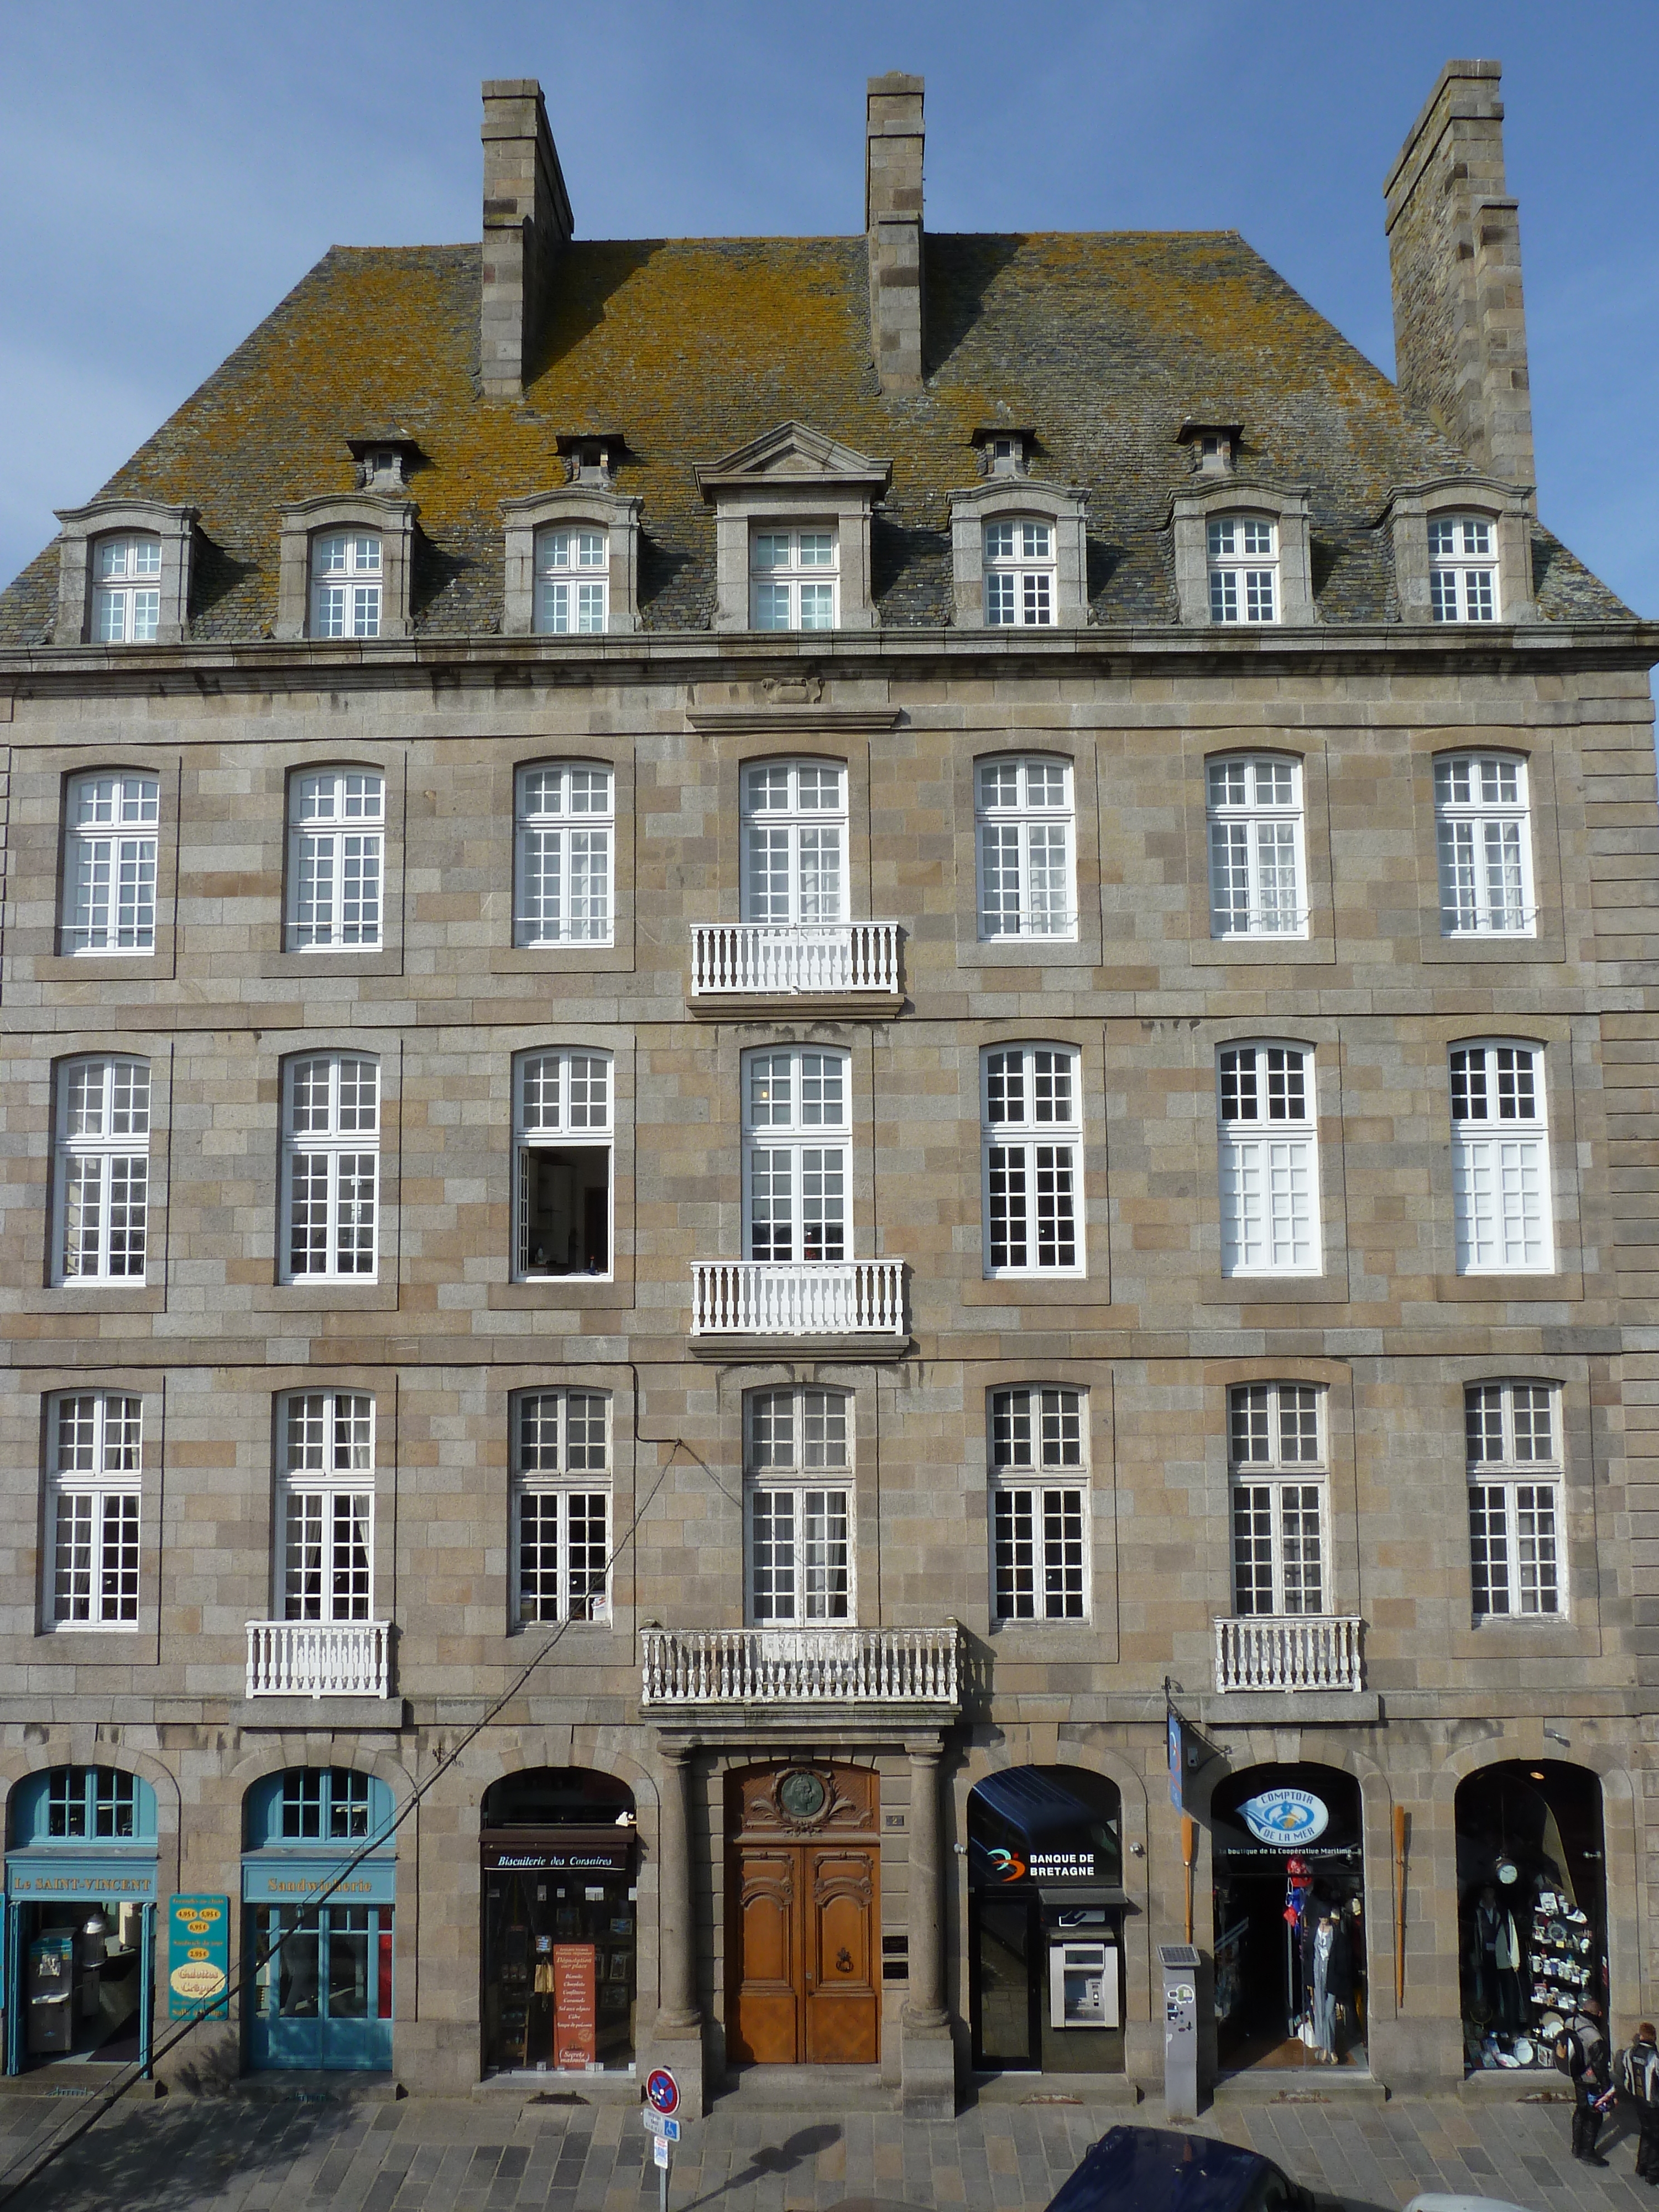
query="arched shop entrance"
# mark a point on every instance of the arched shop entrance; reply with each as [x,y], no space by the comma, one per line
[560,1860]
[1531,1907]
[1045,1914]
[1290,1926]
[319,1976]
[80,1917]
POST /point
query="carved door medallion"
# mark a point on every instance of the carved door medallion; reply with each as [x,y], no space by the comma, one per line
[804,1891]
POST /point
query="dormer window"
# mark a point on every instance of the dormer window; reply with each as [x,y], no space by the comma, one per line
[572,581]
[591,459]
[345,584]
[1212,447]
[1457,563]
[1019,573]
[1243,568]
[1462,568]
[792,577]
[126,597]
[1004,449]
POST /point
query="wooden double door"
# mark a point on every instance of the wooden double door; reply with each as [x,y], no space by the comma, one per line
[804,1909]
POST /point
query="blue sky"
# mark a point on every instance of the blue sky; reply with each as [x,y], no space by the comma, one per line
[167,173]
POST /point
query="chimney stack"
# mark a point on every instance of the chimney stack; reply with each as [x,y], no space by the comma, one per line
[1460,326]
[527,222]
[892,222]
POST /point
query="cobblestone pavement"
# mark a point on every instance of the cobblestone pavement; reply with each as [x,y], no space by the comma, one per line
[432,2155]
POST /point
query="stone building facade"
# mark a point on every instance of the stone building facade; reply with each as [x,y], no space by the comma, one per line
[794,1027]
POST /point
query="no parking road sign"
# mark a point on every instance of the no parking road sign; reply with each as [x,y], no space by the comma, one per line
[662,2091]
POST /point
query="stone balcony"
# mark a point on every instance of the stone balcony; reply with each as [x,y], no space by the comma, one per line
[832,967]
[847,1305]
[319,1659]
[910,1669]
[1301,1652]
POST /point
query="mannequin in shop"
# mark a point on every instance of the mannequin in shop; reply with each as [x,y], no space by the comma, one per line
[1327,1977]
[1497,1960]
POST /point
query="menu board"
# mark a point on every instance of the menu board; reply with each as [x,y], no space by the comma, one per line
[575,2005]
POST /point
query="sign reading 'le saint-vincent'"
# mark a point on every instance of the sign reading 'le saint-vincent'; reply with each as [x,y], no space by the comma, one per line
[1285,1816]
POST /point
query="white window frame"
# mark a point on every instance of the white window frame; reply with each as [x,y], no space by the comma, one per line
[1463,567]
[110,839]
[1279,1500]
[1037,1440]
[573,580]
[1501,1182]
[333,1163]
[794,829]
[336,860]
[563,1101]
[822,1508]
[1267,1122]
[1517,1529]
[564,849]
[797,1154]
[1021,573]
[1258,857]
[1242,552]
[101,1185]
[1483,834]
[94,1510]
[347,583]
[561,1532]
[794,572]
[126,589]
[1031,1159]
[1025,847]
[326,1441]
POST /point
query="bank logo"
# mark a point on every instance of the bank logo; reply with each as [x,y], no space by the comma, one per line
[1285,1816]
[1006,1865]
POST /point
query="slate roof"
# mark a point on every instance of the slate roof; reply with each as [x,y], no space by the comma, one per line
[1105,342]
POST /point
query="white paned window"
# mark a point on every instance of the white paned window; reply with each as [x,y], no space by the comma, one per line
[795,842]
[797,1465]
[103,1171]
[1462,568]
[336,859]
[1269,1163]
[793,579]
[1258,875]
[1039,1506]
[573,584]
[564,847]
[326,1447]
[562,1146]
[1019,574]
[1243,568]
[1500,1160]
[1485,840]
[1027,882]
[796,1147]
[95,1455]
[1514,1434]
[126,589]
[1276,1458]
[1031,1143]
[345,584]
[561,1506]
[330,1166]
[109,863]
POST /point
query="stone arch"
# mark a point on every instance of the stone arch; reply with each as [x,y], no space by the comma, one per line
[79,1748]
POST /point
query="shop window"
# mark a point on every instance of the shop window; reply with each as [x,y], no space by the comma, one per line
[108,903]
[795,842]
[795,1147]
[561,1506]
[1514,1434]
[95,1454]
[102,1188]
[563,852]
[1269,1165]
[1039,1506]
[1030,1147]
[1500,1160]
[798,1495]
[562,1150]
[1277,1463]
[1026,848]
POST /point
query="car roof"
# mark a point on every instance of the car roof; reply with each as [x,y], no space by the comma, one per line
[1437,2201]
[1160,2170]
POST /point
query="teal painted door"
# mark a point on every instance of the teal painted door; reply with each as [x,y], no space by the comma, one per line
[323,1998]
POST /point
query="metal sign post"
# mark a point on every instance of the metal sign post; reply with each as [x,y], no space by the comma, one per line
[662,2101]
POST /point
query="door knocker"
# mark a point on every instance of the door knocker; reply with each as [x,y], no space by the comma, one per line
[843,1962]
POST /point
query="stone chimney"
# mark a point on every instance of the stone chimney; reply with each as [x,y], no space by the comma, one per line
[892,222]
[526,221]
[1460,328]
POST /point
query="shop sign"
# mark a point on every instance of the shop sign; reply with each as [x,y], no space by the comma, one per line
[270,1878]
[199,1958]
[1288,1817]
[130,1879]
[614,1858]
[574,2006]
[1062,1866]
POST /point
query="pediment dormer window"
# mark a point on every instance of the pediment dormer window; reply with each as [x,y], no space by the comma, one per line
[792,531]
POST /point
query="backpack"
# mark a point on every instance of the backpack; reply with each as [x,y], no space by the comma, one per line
[1638,2073]
[1569,2054]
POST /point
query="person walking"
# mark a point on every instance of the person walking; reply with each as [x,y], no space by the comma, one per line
[1580,2052]
[1638,2086]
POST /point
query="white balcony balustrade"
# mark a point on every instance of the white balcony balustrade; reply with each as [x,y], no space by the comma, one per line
[319,1658]
[800,1666]
[788,1299]
[1290,1652]
[816,960]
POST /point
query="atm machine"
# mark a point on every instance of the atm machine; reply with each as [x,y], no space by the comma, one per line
[1082,1983]
[51,1994]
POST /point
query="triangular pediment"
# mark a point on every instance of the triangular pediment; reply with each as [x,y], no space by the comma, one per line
[795,452]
